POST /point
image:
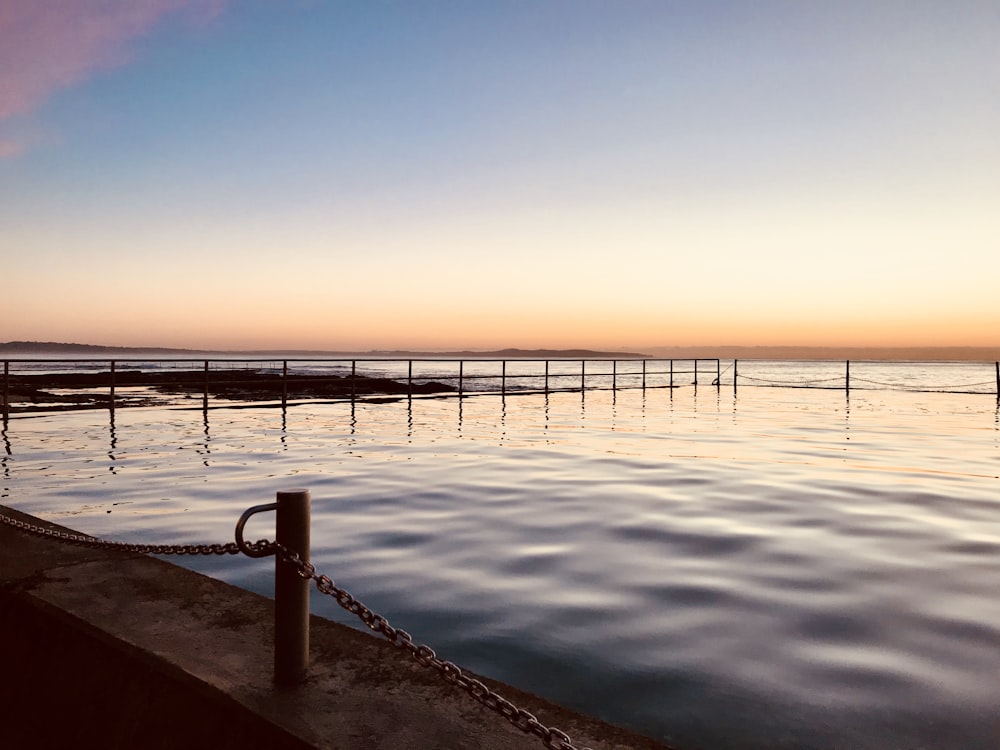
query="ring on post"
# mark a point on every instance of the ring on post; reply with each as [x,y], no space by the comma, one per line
[247,550]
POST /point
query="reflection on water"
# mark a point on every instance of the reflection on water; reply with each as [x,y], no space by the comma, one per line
[284,424]
[206,449]
[503,419]
[792,568]
[113,441]
[5,456]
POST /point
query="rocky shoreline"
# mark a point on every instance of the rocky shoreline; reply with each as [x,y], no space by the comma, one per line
[91,390]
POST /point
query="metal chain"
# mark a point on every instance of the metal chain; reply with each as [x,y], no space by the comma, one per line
[927,388]
[81,540]
[551,737]
[957,388]
[792,382]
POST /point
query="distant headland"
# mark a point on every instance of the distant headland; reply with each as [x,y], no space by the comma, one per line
[836,353]
[28,349]
[52,348]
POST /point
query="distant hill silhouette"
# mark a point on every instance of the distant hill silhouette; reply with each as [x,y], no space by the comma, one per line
[912,353]
[53,347]
[49,348]
[859,353]
[514,354]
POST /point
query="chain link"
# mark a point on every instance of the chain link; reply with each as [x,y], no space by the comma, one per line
[958,388]
[81,540]
[793,383]
[551,737]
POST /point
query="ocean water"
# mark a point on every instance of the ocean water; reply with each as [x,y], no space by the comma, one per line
[715,567]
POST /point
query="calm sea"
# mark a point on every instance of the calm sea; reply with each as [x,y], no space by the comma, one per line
[765,567]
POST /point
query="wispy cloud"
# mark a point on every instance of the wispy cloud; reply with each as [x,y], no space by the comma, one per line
[48,45]
[10,147]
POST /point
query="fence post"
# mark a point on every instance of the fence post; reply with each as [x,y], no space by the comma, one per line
[354,362]
[671,375]
[614,375]
[718,374]
[291,591]
[546,376]
[735,361]
[461,372]
[643,374]
[583,374]
[409,377]
[696,373]
[503,377]
[284,382]
[847,378]
[111,389]
[204,401]
[6,388]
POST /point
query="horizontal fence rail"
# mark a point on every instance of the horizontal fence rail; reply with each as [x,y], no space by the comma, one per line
[40,384]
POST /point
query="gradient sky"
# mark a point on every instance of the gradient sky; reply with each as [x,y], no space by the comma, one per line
[358,175]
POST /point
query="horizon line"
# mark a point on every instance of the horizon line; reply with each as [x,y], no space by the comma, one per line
[728,351]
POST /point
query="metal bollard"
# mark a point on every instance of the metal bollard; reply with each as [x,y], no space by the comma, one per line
[291,591]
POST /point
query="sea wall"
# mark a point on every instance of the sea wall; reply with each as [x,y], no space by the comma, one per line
[118,650]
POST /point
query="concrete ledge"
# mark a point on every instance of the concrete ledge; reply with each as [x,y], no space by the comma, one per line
[120,651]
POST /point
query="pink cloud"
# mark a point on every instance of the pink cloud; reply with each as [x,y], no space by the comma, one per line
[47,45]
[9,147]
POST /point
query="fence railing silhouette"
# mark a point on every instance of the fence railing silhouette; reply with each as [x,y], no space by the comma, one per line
[847,381]
[69,383]
[101,382]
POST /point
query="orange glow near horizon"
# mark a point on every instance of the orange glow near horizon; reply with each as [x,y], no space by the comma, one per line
[236,329]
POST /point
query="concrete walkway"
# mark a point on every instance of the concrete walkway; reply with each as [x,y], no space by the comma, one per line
[118,650]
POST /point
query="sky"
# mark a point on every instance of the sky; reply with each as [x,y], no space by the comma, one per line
[430,174]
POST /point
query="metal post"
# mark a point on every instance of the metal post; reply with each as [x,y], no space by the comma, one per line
[111,390]
[353,384]
[503,378]
[204,402]
[409,378]
[735,362]
[614,374]
[284,382]
[718,374]
[696,372]
[546,376]
[671,375]
[583,374]
[291,591]
[6,388]
[461,372]
[847,378]
[996,363]
[643,374]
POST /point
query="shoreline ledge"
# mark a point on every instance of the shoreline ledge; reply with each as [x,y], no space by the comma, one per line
[121,650]
[91,390]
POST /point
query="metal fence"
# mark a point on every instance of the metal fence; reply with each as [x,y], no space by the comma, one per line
[80,383]
[39,384]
